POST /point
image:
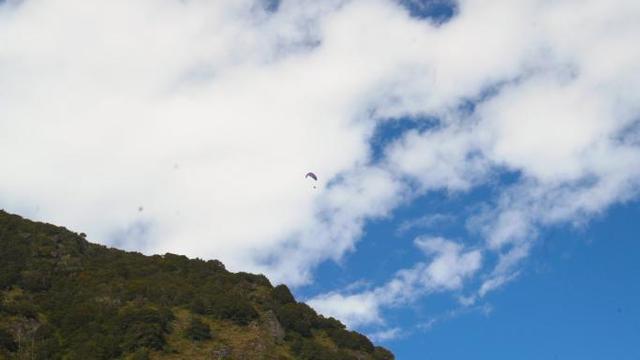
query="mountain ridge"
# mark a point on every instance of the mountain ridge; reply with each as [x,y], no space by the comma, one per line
[62,297]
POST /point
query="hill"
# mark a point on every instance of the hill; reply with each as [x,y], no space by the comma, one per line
[62,297]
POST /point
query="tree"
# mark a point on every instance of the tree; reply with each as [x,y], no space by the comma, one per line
[297,317]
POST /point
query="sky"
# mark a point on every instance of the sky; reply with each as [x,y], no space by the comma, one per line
[478,161]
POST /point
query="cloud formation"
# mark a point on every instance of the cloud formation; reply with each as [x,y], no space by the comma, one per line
[450,264]
[207,115]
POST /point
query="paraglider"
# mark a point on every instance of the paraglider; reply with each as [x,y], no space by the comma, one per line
[312,176]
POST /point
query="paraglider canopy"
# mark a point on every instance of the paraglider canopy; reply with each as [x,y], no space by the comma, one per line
[313,176]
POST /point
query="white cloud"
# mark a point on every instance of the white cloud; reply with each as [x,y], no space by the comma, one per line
[352,309]
[386,335]
[484,309]
[207,114]
[448,267]
[424,222]
[557,113]
[494,282]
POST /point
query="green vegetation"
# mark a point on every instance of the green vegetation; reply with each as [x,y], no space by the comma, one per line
[198,330]
[62,297]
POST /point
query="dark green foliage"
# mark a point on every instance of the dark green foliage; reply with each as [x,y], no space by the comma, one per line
[232,306]
[65,298]
[198,306]
[297,317]
[254,279]
[311,350]
[329,323]
[197,330]
[350,340]
[35,280]
[46,344]
[282,295]
[306,349]
[6,341]
[380,353]
[225,305]
[343,354]
[143,325]
[12,257]
[140,354]
[21,305]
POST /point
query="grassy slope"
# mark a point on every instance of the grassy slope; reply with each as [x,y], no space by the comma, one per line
[62,297]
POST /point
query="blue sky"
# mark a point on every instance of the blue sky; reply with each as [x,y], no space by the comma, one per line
[478,161]
[576,299]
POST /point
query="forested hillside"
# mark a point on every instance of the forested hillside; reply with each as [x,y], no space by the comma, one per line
[62,297]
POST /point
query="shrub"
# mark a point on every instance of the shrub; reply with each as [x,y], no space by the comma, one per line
[350,340]
[140,354]
[306,349]
[228,306]
[7,342]
[282,295]
[198,330]
[144,326]
[380,353]
[297,317]
[253,278]
[329,323]
[36,280]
